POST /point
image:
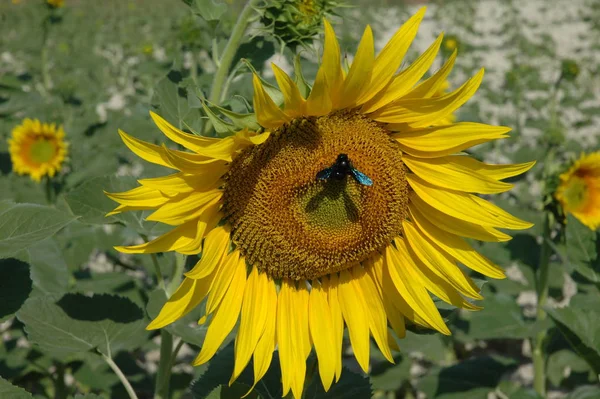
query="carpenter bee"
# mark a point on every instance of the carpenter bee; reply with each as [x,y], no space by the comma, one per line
[342,168]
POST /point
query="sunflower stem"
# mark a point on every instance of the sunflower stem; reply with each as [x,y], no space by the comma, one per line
[121,376]
[224,63]
[163,376]
[539,378]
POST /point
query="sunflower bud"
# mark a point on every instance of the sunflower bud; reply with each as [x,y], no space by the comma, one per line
[570,70]
[450,44]
[55,3]
[295,22]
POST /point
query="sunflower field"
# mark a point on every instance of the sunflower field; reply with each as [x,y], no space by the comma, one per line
[301,199]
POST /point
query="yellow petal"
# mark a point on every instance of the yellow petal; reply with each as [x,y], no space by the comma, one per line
[391,292]
[223,279]
[319,100]
[457,248]
[389,59]
[427,111]
[189,141]
[185,183]
[190,163]
[410,286]
[322,333]
[182,209]
[206,222]
[394,316]
[295,104]
[436,285]
[438,141]
[352,304]
[465,206]
[216,246]
[331,286]
[438,262]
[148,152]
[332,77]
[452,173]
[360,72]
[497,172]
[187,296]
[432,85]
[173,240]
[405,80]
[253,320]
[144,197]
[266,344]
[225,316]
[268,113]
[374,311]
[454,225]
[292,336]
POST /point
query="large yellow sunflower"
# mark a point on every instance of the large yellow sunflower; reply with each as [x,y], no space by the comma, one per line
[37,149]
[579,190]
[350,209]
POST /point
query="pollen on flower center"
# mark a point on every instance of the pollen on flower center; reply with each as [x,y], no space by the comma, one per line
[41,151]
[291,224]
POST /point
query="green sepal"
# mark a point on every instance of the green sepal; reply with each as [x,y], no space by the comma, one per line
[240,121]
[303,86]
[221,127]
[271,90]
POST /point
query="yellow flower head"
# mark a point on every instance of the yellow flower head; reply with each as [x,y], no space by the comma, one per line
[37,149]
[579,190]
[351,209]
[56,3]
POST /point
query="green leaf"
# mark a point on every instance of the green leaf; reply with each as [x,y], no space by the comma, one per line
[187,327]
[585,392]
[89,202]
[15,286]
[471,379]
[22,225]
[171,101]
[581,252]
[9,391]
[49,271]
[78,323]
[559,361]
[350,386]
[500,317]
[209,10]
[580,329]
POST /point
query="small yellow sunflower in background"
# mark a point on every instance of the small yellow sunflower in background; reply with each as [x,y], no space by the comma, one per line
[37,149]
[579,190]
[56,3]
[350,209]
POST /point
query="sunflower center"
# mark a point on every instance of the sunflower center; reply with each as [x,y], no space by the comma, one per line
[42,151]
[576,193]
[297,211]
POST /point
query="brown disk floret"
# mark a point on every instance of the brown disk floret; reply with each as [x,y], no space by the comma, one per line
[291,224]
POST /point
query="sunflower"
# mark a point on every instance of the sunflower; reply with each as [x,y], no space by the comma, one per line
[56,3]
[579,190]
[37,149]
[350,209]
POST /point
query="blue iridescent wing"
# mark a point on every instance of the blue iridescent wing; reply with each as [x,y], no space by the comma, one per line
[324,174]
[361,177]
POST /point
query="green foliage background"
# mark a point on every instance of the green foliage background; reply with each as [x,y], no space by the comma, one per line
[69,301]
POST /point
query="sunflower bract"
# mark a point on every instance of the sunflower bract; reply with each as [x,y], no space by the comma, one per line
[295,258]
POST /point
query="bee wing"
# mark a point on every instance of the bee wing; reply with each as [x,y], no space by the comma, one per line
[324,174]
[361,177]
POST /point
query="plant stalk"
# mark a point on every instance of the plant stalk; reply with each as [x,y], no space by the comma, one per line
[121,376]
[163,376]
[224,64]
[539,378]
